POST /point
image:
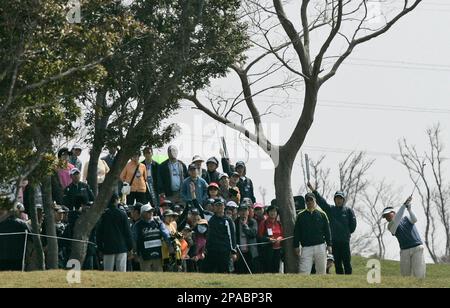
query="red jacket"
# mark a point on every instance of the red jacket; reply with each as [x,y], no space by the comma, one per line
[276,230]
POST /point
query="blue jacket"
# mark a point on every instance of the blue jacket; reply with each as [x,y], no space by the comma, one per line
[201,190]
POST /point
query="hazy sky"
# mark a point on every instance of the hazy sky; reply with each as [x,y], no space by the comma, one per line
[393,87]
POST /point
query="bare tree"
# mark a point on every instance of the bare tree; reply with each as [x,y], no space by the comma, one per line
[441,193]
[263,192]
[320,175]
[346,22]
[383,196]
[352,176]
[415,164]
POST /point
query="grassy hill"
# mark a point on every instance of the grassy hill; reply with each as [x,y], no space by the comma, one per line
[437,276]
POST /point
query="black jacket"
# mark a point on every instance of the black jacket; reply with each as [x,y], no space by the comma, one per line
[77,190]
[251,232]
[342,220]
[221,235]
[246,189]
[114,233]
[211,177]
[164,178]
[11,246]
[312,229]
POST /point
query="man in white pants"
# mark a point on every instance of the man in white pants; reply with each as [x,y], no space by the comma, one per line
[412,260]
[114,237]
[312,231]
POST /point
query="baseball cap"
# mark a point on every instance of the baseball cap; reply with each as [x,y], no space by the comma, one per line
[232,204]
[212,160]
[310,196]
[74,171]
[77,146]
[223,175]
[240,164]
[219,201]
[215,185]
[146,208]
[192,167]
[169,212]
[339,194]
[258,205]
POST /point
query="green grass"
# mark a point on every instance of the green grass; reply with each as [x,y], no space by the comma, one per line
[437,276]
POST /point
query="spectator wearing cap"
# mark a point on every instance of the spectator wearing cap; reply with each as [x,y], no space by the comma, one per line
[224,186]
[312,232]
[213,191]
[221,241]
[172,173]
[149,231]
[245,184]
[403,226]
[186,242]
[171,260]
[11,246]
[194,187]
[114,237]
[60,228]
[135,216]
[211,173]
[197,250]
[75,156]
[61,177]
[231,210]
[343,224]
[198,161]
[258,211]
[246,236]
[76,189]
[134,175]
[152,176]
[270,231]
[20,212]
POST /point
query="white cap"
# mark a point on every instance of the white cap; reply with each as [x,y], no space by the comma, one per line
[146,208]
[232,204]
[77,146]
[74,170]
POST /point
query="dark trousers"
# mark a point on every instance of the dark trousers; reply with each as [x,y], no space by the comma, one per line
[217,262]
[240,267]
[272,258]
[138,197]
[342,256]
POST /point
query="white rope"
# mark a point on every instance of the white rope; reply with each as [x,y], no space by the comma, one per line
[243,258]
[266,243]
[49,236]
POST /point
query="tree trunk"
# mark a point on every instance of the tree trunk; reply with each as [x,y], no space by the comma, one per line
[37,259]
[101,122]
[52,243]
[87,221]
[285,202]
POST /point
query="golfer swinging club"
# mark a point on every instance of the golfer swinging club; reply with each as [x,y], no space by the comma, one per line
[402,226]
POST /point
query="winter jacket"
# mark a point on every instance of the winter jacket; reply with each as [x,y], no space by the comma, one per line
[246,188]
[221,235]
[77,190]
[114,233]
[342,220]
[251,231]
[11,246]
[211,177]
[275,229]
[312,228]
[201,190]
[165,180]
